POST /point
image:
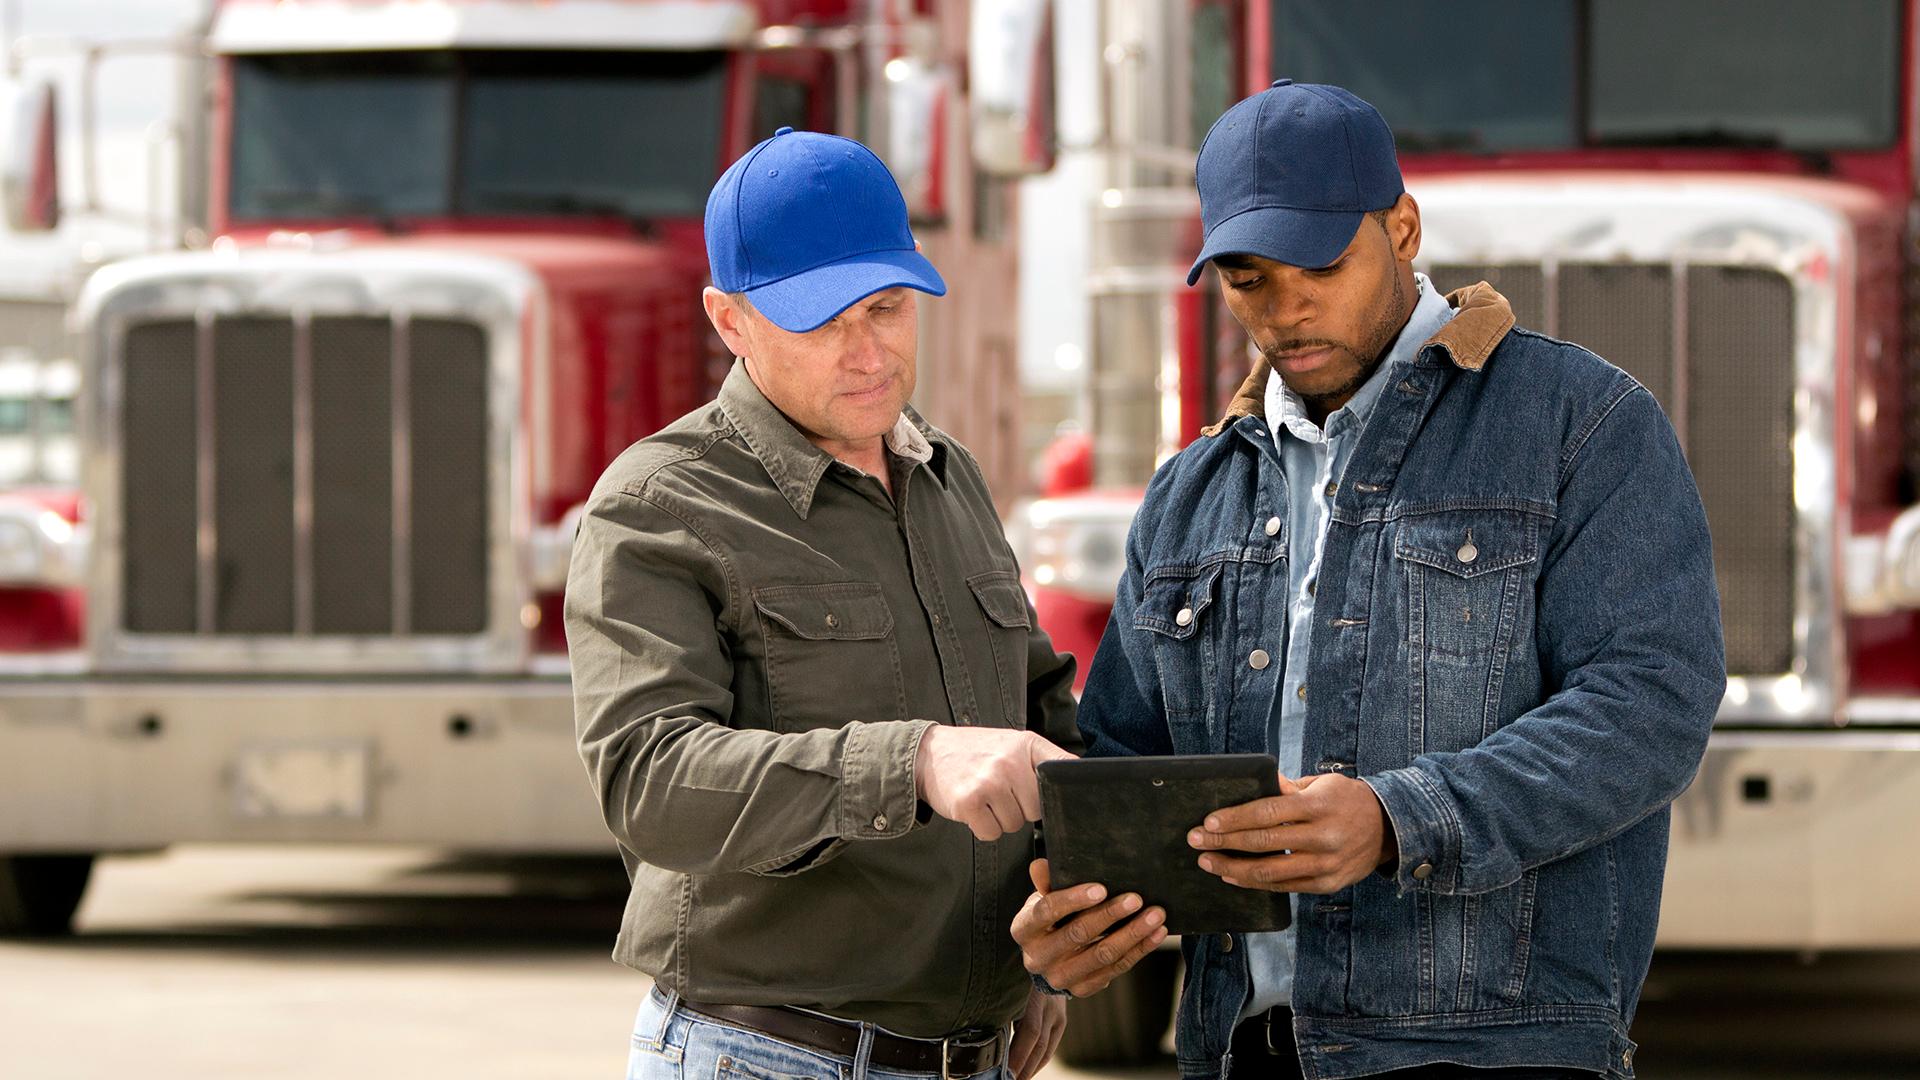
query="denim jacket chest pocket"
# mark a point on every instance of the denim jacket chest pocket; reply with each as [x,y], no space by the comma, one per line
[822,639]
[1003,602]
[1177,609]
[1468,590]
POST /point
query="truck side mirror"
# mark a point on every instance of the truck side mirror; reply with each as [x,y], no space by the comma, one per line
[1010,74]
[30,171]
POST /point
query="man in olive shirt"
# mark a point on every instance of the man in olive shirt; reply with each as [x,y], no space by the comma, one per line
[809,688]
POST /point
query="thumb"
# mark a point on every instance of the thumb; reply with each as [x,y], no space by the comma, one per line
[1039,750]
[1038,871]
[1289,787]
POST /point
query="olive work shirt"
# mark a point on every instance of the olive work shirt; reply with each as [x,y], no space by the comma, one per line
[760,636]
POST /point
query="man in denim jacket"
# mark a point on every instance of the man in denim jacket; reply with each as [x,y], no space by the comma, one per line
[1457,577]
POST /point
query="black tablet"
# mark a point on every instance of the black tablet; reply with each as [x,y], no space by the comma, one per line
[1123,822]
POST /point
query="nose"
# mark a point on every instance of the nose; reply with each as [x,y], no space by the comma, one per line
[1290,304]
[864,351]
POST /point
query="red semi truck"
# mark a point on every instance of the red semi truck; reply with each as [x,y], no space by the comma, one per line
[333,448]
[1720,199]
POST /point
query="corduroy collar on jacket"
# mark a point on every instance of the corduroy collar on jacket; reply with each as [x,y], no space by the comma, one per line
[1482,319]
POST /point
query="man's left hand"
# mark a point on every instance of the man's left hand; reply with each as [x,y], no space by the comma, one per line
[1326,832]
[1036,1035]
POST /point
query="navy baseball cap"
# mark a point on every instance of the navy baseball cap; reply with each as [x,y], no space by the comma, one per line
[1288,174]
[806,224]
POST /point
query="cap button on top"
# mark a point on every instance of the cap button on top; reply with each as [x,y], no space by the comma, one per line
[1282,82]
[784,131]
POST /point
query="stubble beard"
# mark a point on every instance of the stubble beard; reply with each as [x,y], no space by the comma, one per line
[1379,338]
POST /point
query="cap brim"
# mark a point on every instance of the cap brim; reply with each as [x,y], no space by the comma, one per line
[1306,238]
[810,299]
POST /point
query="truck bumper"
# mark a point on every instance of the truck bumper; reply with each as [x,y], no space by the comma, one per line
[1797,840]
[98,765]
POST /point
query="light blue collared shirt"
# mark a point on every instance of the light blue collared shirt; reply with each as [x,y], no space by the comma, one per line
[1314,459]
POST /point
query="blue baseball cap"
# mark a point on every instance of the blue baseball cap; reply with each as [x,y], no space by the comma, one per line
[806,224]
[1289,173]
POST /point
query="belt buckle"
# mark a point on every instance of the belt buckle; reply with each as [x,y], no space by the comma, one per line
[946,1056]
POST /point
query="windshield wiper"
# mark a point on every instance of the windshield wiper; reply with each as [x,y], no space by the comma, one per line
[560,202]
[329,204]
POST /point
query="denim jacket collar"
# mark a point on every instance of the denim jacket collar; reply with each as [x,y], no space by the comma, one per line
[1483,317]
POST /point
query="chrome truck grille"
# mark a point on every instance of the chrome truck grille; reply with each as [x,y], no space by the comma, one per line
[309,464]
[319,476]
[1715,345]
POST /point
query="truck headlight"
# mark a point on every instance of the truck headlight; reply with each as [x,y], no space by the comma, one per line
[1900,563]
[1883,571]
[552,551]
[1078,544]
[37,546]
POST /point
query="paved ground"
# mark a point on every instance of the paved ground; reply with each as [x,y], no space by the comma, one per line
[215,963]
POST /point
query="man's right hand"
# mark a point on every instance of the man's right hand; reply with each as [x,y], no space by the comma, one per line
[1079,944]
[982,778]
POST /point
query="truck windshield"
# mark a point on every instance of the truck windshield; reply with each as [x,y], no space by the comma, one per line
[1500,75]
[391,134]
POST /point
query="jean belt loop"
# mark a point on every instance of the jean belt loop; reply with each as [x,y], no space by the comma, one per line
[863,1054]
[669,1006]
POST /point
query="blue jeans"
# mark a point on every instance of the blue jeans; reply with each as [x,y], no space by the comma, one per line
[670,1043]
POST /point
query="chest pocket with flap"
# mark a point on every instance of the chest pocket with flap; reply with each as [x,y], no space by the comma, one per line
[831,657]
[1175,609]
[1004,603]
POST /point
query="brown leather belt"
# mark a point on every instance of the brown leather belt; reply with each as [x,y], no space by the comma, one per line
[963,1053]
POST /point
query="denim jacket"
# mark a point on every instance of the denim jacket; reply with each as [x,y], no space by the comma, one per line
[1518,647]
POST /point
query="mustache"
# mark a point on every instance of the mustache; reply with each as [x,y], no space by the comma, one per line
[1284,348]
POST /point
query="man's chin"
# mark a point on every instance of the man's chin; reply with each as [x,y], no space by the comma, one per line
[869,421]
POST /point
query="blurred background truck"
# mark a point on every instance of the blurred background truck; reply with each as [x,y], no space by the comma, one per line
[287,500]
[437,263]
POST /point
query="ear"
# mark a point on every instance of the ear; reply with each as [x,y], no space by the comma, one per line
[728,320]
[1403,228]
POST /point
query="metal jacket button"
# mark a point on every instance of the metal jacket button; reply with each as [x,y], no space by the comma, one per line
[1468,552]
[832,620]
[1259,660]
[879,823]
[1423,871]
[1183,617]
[1273,526]
[1302,692]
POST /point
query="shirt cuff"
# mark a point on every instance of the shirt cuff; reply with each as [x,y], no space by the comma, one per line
[1425,828]
[1041,984]
[879,796]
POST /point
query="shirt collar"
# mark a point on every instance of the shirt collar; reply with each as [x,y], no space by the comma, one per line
[1287,411]
[796,465]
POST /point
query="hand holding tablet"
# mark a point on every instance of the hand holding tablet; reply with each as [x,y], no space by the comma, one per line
[1124,823]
